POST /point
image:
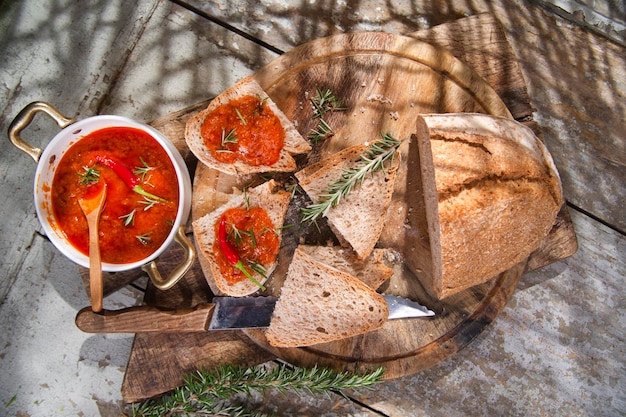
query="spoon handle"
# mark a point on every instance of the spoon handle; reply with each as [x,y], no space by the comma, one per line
[95,271]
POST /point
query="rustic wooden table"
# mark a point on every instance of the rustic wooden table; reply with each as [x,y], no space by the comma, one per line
[557,345]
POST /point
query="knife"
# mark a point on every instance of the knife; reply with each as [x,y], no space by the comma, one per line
[224,313]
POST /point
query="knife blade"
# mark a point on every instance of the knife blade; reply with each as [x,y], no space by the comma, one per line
[224,313]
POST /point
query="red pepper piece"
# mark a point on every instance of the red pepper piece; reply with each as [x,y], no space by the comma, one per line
[132,181]
[230,253]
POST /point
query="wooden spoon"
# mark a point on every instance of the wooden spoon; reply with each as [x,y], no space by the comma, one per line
[92,205]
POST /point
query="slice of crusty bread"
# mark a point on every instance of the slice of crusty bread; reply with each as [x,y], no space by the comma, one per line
[358,219]
[492,194]
[266,196]
[294,142]
[319,304]
[372,270]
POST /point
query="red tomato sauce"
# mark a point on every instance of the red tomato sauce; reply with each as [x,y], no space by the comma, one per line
[256,241]
[244,129]
[151,223]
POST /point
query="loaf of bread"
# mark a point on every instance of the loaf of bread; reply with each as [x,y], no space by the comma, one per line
[267,196]
[372,270]
[294,143]
[320,304]
[357,220]
[491,194]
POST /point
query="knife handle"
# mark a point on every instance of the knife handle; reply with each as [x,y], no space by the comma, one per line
[145,319]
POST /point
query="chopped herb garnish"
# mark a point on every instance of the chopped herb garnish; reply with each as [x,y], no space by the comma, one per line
[325,102]
[142,170]
[243,120]
[148,202]
[258,268]
[89,176]
[230,137]
[322,132]
[129,219]
[238,234]
[144,239]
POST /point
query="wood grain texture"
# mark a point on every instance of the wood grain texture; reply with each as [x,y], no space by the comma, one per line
[396,346]
[384,81]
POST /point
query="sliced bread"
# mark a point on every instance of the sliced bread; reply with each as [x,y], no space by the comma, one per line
[294,143]
[491,193]
[320,304]
[357,220]
[372,271]
[267,196]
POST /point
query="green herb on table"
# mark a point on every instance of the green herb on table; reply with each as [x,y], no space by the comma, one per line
[323,102]
[372,160]
[89,176]
[208,392]
[323,131]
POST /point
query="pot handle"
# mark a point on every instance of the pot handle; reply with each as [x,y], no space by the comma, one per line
[23,119]
[180,270]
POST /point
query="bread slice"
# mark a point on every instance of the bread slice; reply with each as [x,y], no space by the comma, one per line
[358,219]
[372,271]
[294,142]
[267,196]
[321,304]
[492,194]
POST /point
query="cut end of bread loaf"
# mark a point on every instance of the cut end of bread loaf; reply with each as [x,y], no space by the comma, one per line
[320,304]
[491,195]
[294,142]
[267,196]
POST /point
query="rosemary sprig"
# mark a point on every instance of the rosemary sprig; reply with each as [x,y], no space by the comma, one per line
[238,234]
[243,120]
[323,131]
[144,239]
[373,159]
[258,268]
[230,137]
[325,102]
[143,170]
[148,202]
[89,176]
[208,392]
[129,219]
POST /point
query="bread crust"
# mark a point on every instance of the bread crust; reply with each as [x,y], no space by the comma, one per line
[294,142]
[267,196]
[492,194]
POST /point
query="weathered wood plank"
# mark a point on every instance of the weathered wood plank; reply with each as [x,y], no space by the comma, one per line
[561,333]
[50,72]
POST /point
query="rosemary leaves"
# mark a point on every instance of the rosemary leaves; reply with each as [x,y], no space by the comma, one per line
[323,102]
[375,158]
[208,392]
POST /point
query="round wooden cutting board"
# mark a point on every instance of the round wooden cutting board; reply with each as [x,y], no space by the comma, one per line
[384,81]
